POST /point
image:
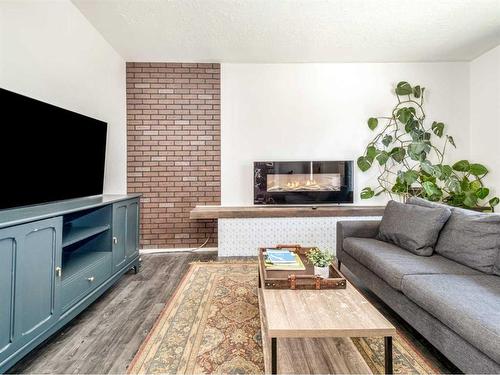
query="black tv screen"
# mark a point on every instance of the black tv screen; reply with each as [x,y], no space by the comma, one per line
[47,153]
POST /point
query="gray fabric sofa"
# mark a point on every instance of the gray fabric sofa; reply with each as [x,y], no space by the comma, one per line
[455,307]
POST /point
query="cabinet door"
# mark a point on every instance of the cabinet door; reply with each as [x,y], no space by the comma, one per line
[37,278]
[132,248]
[119,235]
[8,247]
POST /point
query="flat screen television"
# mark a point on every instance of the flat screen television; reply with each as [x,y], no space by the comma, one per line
[47,153]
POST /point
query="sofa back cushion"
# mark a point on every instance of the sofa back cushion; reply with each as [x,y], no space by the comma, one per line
[412,227]
[469,237]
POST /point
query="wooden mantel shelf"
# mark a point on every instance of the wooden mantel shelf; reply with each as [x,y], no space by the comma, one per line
[231,212]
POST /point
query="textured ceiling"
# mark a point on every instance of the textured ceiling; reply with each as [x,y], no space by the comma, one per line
[296,30]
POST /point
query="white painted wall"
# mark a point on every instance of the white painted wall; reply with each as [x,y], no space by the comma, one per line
[49,51]
[485,114]
[319,112]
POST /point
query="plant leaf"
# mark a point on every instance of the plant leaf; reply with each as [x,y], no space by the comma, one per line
[363,163]
[478,169]
[403,88]
[475,185]
[465,184]
[412,125]
[386,141]
[367,193]
[426,166]
[456,199]
[382,157]
[410,177]
[451,140]
[432,170]
[431,189]
[482,193]
[417,150]
[416,134]
[446,171]
[405,114]
[399,187]
[438,128]
[398,154]
[372,123]
[454,184]
[423,177]
[470,200]
[416,147]
[371,153]
[494,201]
[417,91]
[461,166]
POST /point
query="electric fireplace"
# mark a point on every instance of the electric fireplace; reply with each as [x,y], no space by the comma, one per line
[303,182]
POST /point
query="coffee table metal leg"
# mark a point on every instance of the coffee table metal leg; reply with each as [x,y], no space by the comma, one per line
[274,356]
[388,354]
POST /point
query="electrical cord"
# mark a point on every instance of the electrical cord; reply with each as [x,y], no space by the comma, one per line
[199,247]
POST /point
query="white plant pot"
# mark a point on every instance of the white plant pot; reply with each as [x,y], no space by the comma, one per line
[324,272]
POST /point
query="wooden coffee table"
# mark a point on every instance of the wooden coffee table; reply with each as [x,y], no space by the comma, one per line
[303,326]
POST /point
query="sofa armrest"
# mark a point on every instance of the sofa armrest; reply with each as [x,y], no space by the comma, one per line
[355,228]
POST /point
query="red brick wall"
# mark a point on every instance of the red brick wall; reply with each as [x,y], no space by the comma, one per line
[173,138]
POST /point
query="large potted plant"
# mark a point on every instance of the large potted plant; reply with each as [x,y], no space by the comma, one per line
[410,162]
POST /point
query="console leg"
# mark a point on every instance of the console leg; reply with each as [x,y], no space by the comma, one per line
[339,263]
[136,265]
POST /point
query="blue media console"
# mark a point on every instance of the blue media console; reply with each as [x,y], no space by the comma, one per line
[55,260]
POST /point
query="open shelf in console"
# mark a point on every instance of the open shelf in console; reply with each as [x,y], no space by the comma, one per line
[74,234]
[87,239]
[85,224]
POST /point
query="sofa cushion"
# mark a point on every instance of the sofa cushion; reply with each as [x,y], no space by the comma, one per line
[391,263]
[414,228]
[469,237]
[469,305]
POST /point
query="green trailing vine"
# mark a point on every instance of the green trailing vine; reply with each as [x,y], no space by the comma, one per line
[412,165]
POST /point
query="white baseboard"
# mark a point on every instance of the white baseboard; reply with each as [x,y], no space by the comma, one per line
[179,250]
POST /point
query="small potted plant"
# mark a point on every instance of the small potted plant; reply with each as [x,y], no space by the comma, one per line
[321,261]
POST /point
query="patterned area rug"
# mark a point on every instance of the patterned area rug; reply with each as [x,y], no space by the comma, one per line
[212,325]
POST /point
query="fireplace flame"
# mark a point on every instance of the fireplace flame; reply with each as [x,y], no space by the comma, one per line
[303,182]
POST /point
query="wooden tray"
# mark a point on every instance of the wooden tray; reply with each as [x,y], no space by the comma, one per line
[305,279]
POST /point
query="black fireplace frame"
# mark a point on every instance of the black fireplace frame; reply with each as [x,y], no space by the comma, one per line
[263,168]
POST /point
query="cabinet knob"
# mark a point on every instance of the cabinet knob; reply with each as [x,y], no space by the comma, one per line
[115,240]
[91,278]
[58,271]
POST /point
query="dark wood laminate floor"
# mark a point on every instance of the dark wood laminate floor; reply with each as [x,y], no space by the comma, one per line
[105,337]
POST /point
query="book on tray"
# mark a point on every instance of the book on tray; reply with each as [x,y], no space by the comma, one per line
[283,260]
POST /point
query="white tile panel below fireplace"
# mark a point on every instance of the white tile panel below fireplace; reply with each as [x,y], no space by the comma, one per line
[242,237]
